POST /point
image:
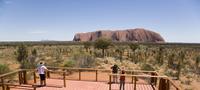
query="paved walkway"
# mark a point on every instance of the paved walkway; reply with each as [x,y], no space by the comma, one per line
[56,84]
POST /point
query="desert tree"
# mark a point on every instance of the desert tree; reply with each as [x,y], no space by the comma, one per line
[26,61]
[180,63]
[141,51]
[120,50]
[197,62]
[22,56]
[134,47]
[32,58]
[87,45]
[34,52]
[171,61]
[68,51]
[22,53]
[159,57]
[58,57]
[103,44]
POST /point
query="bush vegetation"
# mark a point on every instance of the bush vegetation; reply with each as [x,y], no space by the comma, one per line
[176,60]
[4,68]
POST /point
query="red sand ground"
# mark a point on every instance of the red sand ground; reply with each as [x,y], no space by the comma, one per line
[56,84]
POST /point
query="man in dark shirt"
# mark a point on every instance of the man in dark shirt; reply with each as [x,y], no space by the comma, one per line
[115,69]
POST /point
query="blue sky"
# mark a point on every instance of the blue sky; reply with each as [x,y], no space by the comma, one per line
[175,20]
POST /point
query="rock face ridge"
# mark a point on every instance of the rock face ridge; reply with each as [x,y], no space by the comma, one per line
[136,35]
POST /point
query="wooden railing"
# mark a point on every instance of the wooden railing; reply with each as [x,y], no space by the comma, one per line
[152,82]
[134,74]
[80,70]
[22,79]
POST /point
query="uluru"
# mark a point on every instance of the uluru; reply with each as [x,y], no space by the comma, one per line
[135,35]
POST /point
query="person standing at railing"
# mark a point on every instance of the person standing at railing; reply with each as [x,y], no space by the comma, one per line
[122,81]
[115,69]
[41,70]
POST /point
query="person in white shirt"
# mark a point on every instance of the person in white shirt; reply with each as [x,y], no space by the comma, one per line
[41,70]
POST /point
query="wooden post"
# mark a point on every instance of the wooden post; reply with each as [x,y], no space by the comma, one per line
[20,77]
[34,87]
[132,76]
[24,77]
[7,87]
[79,74]
[135,83]
[155,79]
[2,81]
[110,82]
[152,82]
[167,84]
[34,76]
[48,74]
[177,88]
[45,73]
[96,75]
[64,81]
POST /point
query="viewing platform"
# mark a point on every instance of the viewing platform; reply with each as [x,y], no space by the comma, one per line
[60,78]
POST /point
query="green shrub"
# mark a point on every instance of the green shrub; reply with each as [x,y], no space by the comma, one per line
[69,63]
[34,52]
[83,60]
[28,65]
[22,53]
[170,72]
[197,61]
[147,67]
[4,68]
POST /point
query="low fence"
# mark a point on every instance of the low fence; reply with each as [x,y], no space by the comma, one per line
[165,83]
[98,75]
[95,74]
[5,79]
